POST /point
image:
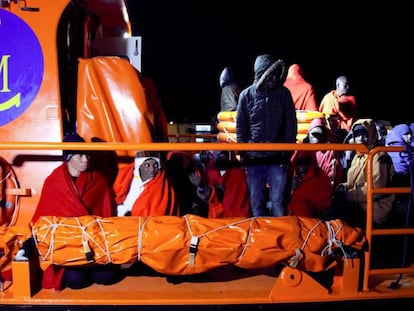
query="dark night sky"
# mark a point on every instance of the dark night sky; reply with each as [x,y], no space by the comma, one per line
[186,44]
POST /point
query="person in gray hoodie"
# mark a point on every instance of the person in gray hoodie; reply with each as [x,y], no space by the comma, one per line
[266,114]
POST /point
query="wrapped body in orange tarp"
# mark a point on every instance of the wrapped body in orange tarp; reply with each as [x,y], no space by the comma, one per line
[111,102]
[191,244]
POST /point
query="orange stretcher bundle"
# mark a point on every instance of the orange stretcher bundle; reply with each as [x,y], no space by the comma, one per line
[191,244]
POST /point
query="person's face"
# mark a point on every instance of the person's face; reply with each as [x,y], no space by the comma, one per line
[361,138]
[342,87]
[148,169]
[79,162]
[382,132]
[316,136]
[406,137]
[270,82]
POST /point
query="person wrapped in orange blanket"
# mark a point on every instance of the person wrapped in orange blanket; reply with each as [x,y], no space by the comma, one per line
[311,191]
[142,188]
[302,91]
[74,190]
[342,103]
[223,184]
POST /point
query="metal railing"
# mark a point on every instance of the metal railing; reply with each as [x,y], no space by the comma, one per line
[370,231]
[195,147]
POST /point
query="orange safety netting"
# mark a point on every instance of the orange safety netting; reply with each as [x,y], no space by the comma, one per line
[192,244]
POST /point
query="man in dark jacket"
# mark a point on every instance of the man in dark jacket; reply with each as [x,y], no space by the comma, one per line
[230,90]
[266,114]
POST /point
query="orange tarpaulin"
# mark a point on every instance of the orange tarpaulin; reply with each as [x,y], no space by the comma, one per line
[192,244]
[111,102]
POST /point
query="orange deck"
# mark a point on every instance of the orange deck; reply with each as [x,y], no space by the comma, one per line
[224,286]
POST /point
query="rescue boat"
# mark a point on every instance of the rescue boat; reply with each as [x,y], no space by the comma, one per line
[73,62]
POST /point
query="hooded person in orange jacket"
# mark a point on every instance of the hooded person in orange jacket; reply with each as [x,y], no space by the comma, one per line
[302,91]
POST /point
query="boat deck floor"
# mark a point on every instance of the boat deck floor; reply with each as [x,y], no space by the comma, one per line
[224,286]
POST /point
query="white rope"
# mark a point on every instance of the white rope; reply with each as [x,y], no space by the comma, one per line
[294,260]
[5,177]
[309,234]
[218,228]
[193,237]
[249,232]
[52,226]
[228,136]
[108,252]
[140,234]
[50,230]
[333,242]
[89,238]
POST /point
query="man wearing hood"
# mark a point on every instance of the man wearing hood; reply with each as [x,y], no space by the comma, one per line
[302,91]
[401,135]
[352,193]
[266,114]
[230,90]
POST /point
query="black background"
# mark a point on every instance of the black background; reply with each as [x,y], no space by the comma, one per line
[186,44]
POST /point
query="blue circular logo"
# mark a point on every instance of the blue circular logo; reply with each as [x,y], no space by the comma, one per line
[21,66]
